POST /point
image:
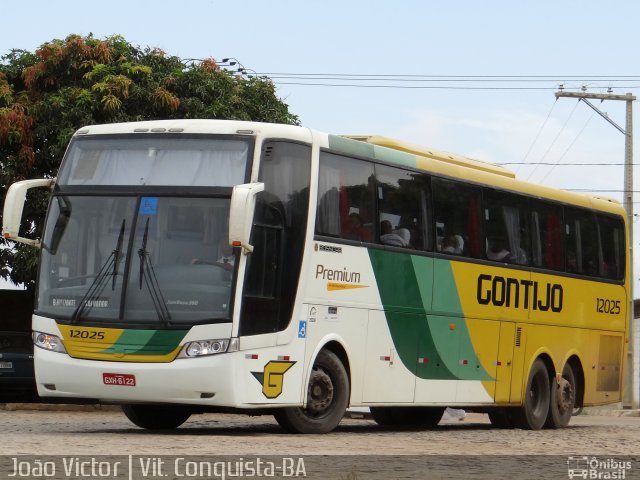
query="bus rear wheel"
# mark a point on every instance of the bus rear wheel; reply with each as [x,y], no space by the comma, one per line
[563,399]
[533,413]
[327,398]
[501,417]
[407,416]
[156,417]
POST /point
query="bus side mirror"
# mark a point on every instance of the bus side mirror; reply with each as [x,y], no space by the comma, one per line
[243,204]
[14,205]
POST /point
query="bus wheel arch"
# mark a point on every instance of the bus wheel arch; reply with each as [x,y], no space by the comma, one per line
[328,392]
[338,349]
[576,364]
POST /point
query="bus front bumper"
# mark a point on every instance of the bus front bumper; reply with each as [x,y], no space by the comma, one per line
[198,381]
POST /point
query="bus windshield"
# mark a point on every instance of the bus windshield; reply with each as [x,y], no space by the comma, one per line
[116,160]
[132,252]
[162,260]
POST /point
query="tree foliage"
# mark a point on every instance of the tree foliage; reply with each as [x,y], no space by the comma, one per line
[45,96]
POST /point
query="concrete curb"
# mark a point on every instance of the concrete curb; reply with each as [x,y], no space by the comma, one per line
[57,407]
[611,412]
[358,414]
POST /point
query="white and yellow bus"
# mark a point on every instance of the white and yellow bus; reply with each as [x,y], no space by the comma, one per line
[202,265]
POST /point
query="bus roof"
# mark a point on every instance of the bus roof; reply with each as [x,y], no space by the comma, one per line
[464,168]
[198,126]
[372,146]
[435,154]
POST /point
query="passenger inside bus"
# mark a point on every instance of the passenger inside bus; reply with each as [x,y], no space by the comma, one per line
[356,230]
[399,237]
[497,249]
[453,244]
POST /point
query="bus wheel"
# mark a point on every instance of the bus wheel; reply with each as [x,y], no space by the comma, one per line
[501,418]
[563,399]
[533,413]
[407,416]
[327,398]
[382,415]
[156,417]
[425,416]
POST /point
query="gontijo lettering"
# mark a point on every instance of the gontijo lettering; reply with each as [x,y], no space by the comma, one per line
[517,293]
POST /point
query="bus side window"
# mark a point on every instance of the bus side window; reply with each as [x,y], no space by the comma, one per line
[581,233]
[506,227]
[402,203]
[345,198]
[456,212]
[546,226]
[612,246]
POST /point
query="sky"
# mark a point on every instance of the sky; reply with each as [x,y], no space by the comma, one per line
[561,40]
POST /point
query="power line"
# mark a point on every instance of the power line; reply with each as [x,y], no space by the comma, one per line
[572,164]
[506,77]
[554,140]
[595,190]
[568,148]
[433,87]
[363,78]
[420,87]
[538,134]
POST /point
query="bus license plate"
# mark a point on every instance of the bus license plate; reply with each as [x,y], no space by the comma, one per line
[6,365]
[119,379]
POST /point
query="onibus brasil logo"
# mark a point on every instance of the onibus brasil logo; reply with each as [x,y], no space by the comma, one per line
[595,468]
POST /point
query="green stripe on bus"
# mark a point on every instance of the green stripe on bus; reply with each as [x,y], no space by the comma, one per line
[350,147]
[405,283]
[449,297]
[405,312]
[147,342]
[364,149]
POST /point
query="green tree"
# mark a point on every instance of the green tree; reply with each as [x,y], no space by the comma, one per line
[45,96]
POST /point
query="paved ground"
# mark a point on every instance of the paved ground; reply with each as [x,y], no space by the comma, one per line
[109,432]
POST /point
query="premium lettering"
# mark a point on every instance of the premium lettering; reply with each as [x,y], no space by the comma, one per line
[517,293]
[337,275]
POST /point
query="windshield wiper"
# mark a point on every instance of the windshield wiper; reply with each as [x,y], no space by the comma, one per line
[110,267]
[117,257]
[148,274]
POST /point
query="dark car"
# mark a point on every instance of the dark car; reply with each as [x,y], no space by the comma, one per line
[17,380]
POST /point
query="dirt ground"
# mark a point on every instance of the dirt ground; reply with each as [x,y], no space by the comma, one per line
[110,433]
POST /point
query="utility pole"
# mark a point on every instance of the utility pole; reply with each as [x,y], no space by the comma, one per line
[632,373]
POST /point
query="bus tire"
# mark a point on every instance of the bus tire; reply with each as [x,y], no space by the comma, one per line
[327,398]
[425,416]
[501,418]
[407,416]
[533,413]
[563,399]
[382,415]
[156,417]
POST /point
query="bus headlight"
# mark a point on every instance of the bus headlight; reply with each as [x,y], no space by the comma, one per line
[201,348]
[48,342]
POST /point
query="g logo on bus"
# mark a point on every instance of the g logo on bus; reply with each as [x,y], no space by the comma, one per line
[272,377]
